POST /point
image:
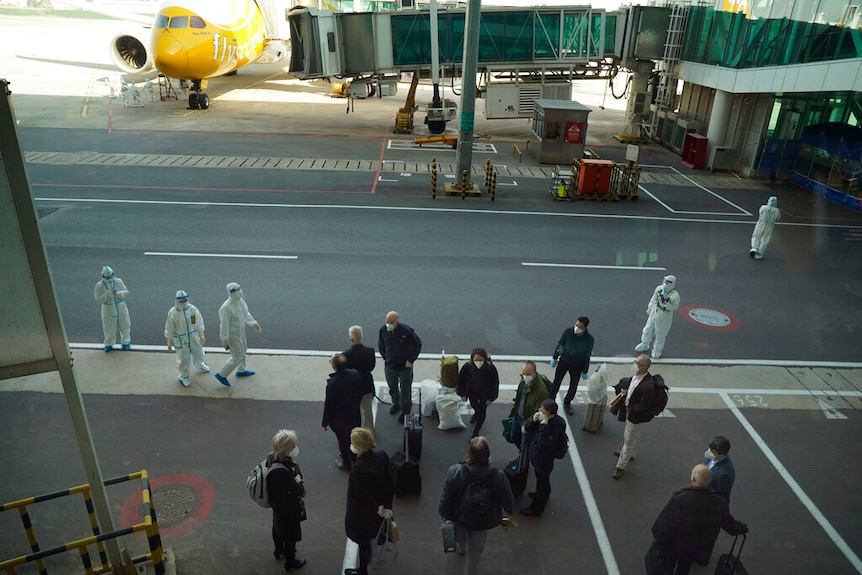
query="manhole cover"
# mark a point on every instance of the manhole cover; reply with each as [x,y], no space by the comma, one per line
[173,503]
[710,317]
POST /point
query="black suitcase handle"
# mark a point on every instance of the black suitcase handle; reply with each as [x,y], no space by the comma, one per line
[739,554]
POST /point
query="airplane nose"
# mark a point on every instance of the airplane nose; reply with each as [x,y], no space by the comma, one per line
[170,57]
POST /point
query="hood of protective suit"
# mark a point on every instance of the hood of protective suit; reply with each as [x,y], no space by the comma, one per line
[234,290]
[772,202]
[671,280]
[107,272]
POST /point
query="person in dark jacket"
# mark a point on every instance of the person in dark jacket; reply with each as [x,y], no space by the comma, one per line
[529,396]
[363,359]
[544,432]
[286,492]
[399,347]
[719,464]
[341,406]
[470,537]
[572,355]
[479,382]
[634,409]
[370,489]
[688,526]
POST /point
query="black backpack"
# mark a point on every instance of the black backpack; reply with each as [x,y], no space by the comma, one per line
[562,446]
[660,397]
[477,508]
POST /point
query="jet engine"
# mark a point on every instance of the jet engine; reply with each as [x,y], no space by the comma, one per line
[130,54]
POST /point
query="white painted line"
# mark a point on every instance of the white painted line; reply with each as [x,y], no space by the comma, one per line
[708,191]
[795,487]
[547,265]
[243,256]
[438,210]
[386,180]
[590,502]
[829,411]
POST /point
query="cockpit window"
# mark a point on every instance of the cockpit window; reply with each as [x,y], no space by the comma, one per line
[179,22]
[197,22]
[162,21]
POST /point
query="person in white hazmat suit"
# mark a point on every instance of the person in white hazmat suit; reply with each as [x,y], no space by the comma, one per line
[662,305]
[767,216]
[111,292]
[234,317]
[184,331]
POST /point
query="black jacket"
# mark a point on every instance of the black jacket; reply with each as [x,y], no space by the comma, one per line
[363,359]
[688,525]
[286,491]
[399,346]
[480,385]
[638,409]
[370,485]
[457,479]
[543,440]
[343,397]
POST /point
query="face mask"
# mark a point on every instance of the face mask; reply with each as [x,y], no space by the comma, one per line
[634,368]
[708,454]
[527,378]
[390,327]
[181,305]
[294,452]
[543,419]
[578,330]
[236,295]
[478,364]
[353,449]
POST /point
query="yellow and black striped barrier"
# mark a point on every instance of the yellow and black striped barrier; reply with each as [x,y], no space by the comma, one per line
[433,178]
[149,525]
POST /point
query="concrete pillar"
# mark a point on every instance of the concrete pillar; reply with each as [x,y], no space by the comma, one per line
[638,102]
[464,155]
[719,117]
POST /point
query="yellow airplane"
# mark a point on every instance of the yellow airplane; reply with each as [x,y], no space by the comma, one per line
[195,40]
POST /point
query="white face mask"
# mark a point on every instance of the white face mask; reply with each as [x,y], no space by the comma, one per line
[708,454]
[527,378]
[634,368]
[390,327]
[181,305]
[353,449]
[236,295]
[478,364]
[578,330]
[294,452]
[543,419]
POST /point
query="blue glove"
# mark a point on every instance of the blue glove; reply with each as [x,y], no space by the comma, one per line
[553,363]
[585,375]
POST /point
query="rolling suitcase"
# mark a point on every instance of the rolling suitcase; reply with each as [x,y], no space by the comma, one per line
[595,415]
[517,472]
[730,565]
[413,436]
[408,481]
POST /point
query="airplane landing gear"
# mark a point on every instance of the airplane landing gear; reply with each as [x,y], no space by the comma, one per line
[197,99]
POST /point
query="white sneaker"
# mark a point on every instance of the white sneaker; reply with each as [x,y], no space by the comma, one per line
[205,367]
[184,379]
[656,354]
[641,347]
[758,256]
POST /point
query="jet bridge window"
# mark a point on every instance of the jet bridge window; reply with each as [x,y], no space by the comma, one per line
[197,22]
[179,22]
[162,21]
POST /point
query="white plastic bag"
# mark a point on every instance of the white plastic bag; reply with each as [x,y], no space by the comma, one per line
[449,409]
[597,387]
[429,397]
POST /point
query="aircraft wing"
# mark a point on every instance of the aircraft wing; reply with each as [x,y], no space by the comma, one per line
[143,18]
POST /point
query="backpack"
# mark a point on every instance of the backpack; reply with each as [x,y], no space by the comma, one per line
[660,397]
[256,481]
[477,508]
[562,446]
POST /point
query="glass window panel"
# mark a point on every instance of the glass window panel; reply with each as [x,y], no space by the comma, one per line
[610,33]
[546,33]
[162,21]
[179,22]
[197,22]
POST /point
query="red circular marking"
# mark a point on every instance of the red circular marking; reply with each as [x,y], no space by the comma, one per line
[206,494]
[734,321]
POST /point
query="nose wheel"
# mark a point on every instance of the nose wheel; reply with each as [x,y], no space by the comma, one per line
[198,99]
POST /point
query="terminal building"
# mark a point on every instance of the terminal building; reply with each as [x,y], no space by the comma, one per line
[765,88]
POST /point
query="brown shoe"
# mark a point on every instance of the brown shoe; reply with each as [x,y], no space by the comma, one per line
[618,473]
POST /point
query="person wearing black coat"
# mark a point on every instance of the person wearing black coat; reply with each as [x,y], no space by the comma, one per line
[363,359]
[688,526]
[545,431]
[341,406]
[635,409]
[286,496]
[370,489]
[479,382]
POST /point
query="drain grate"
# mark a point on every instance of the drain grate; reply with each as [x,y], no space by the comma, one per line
[173,503]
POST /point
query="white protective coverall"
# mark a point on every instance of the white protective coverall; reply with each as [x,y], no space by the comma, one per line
[184,331]
[662,305]
[111,292]
[234,317]
[767,216]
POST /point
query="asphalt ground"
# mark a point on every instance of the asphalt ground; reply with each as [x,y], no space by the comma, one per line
[791,426]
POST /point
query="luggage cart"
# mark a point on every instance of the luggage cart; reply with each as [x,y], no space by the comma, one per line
[562,183]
